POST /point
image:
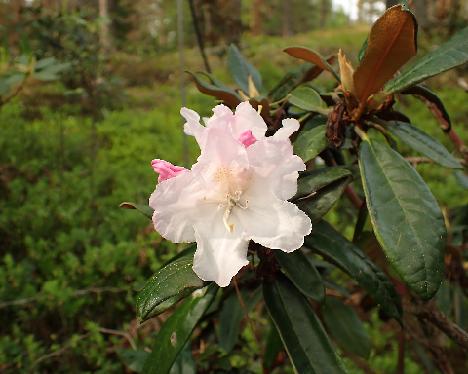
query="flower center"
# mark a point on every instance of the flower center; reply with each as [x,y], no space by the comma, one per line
[231,183]
[231,202]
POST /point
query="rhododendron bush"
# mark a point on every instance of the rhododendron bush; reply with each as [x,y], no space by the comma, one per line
[253,208]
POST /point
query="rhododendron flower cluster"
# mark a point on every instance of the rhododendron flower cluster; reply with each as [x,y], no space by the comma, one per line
[237,191]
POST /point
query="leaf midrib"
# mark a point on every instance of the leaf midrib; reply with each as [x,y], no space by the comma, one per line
[406,220]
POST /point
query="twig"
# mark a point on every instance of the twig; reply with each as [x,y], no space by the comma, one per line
[246,312]
[438,319]
[419,160]
[59,351]
[86,291]
[353,197]
[201,44]
[124,334]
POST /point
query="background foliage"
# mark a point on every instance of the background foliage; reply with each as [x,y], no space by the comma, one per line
[76,136]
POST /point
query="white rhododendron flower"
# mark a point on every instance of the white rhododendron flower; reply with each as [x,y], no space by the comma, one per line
[236,192]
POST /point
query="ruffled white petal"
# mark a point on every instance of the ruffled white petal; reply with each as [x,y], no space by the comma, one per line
[220,254]
[290,126]
[274,223]
[192,126]
[275,162]
[246,118]
[177,204]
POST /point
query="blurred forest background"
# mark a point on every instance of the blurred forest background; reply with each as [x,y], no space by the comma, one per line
[90,92]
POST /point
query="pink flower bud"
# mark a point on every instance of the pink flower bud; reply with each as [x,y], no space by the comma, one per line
[247,138]
[165,169]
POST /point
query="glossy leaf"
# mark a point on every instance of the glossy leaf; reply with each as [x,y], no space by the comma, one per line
[330,244]
[345,327]
[319,189]
[302,273]
[311,139]
[307,98]
[230,319]
[228,96]
[146,210]
[451,54]
[241,70]
[175,332]
[273,347]
[168,285]
[309,55]
[301,74]
[406,218]
[391,43]
[302,334]
[423,143]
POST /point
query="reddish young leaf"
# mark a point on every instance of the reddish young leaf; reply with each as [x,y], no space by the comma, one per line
[309,55]
[229,97]
[391,43]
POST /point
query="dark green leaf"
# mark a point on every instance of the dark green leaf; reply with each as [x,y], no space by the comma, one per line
[241,69]
[176,330]
[345,327]
[302,273]
[319,189]
[134,360]
[273,346]
[167,286]
[302,334]
[462,178]
[310,141]
[230,319]
[307,98]
[449,55]
[184,364]
[423,143]
[407,220]
[143,209]
[300,74]
[335,248]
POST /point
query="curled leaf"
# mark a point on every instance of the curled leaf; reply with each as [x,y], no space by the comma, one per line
[391,43]
[309,55]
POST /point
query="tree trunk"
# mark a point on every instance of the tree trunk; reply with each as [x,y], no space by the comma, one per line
[104,39]
[256,23]
[286,15]
[324,12]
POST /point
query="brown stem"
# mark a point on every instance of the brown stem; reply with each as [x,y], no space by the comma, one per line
[438,319]
[401,352]
[246,312]
[353,197]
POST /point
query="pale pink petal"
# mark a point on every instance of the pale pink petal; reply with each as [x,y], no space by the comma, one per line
[220,254]
[165,169]
[192,126]
[247,138]
[272,222]
[246,118]
[178,203]
[290,125]
[275,162]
